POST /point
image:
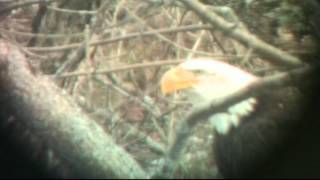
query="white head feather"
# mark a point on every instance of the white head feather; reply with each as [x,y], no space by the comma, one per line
[219,80]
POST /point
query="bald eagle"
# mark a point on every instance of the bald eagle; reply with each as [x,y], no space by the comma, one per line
[272,135]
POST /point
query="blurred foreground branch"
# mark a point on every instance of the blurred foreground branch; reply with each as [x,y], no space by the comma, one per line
[51,114]
[202,113]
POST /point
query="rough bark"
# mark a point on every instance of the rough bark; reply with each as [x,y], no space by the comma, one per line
[51,114]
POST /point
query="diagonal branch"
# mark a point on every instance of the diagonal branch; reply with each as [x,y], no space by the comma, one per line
[204,112]
[52,115]
[268,52]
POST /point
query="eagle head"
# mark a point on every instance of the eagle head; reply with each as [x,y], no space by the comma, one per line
[205,80]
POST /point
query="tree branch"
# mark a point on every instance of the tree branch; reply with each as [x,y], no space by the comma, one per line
[204,112]
[54,116]
[270,53]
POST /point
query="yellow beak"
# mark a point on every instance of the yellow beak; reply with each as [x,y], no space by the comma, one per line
[176,79]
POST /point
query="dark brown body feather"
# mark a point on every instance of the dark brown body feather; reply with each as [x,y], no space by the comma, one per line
[281,138]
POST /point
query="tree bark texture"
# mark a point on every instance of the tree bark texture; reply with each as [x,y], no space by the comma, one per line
[51,114]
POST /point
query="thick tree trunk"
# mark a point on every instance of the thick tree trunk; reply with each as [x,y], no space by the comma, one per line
[52,115]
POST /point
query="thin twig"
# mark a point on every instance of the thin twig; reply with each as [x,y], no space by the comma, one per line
[142,102]
[121,38]
[79,12]
[124,68]
[39,35]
